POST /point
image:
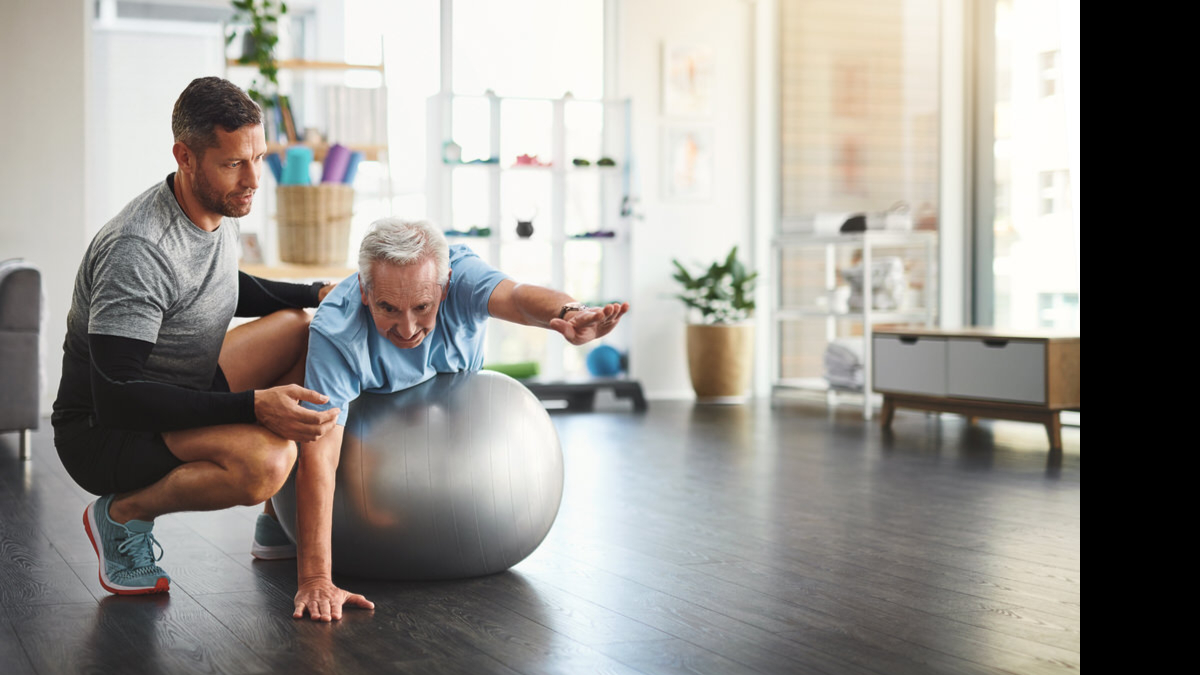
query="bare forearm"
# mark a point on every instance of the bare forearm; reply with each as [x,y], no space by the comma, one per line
[537,305]
[316,473]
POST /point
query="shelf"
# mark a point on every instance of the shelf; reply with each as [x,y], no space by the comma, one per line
[569,200]
[302,64]
[535,239]
[876,237]
[332,273]
[371,153]
[603,170]
[919,244]
[338,116]
[877,315]
[814,384]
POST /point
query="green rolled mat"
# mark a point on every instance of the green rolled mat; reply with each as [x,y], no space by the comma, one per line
[522,370]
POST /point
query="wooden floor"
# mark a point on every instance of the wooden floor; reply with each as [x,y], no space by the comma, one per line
[691,539]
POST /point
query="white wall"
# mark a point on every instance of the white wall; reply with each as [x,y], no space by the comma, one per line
[693,232]
[44,71]
[138,70]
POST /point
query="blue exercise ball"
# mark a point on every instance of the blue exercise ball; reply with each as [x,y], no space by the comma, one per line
[460,476]
[604,361]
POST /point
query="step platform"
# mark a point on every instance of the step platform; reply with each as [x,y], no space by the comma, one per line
[580,395]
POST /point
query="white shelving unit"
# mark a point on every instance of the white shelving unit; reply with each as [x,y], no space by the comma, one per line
[818,304]
[576,207]
[296,74]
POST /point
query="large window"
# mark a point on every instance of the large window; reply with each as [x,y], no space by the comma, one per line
[538,48]
[1028,210]
[859,109]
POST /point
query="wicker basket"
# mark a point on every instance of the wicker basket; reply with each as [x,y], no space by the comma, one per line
[314,223]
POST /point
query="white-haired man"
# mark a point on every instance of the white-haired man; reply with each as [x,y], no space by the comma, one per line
[416,308]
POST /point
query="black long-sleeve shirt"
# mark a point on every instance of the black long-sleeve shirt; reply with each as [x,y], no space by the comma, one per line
[122,398]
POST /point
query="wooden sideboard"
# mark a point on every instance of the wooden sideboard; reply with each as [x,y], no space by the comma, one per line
[977,372]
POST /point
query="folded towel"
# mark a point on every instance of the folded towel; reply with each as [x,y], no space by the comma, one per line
[843,361]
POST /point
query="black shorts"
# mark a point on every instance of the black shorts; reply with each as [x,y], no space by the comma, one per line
[103,460]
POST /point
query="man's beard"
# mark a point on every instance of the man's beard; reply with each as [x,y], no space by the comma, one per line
[213,201]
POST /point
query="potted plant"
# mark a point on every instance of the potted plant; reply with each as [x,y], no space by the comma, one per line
[261,18]
[720,344]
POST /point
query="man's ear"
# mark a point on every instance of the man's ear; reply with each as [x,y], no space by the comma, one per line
[362,290]
[184,156]
[446,286]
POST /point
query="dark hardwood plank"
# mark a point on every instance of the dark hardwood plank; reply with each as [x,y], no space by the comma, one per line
[670,657]
[755,649]
[74,638]
[262,621]
[31,570]
[474,664]
[12,654]
[585,622]
[146,634]
[884,613]
[466,621]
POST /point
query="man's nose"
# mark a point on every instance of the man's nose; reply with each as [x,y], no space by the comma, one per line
[406,326]
[252,174]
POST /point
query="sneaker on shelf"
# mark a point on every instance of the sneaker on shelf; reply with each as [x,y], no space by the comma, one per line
[126,552]
[270,541]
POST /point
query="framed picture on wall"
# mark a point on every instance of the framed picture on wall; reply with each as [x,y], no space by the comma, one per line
[687,80]
[687,163]
[252,253]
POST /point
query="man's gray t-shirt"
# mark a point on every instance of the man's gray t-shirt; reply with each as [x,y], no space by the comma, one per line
[151,274]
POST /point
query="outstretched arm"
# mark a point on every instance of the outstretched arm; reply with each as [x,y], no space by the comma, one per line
[531,305]
[316,471]
[260,297]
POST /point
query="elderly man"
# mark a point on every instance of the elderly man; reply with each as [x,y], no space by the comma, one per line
[416,308]
[159,409]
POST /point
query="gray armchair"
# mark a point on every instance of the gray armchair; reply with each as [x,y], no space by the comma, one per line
[20,339]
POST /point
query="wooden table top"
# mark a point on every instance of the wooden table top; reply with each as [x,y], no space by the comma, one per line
[972,331]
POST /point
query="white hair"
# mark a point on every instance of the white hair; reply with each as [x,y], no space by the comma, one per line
[403,242]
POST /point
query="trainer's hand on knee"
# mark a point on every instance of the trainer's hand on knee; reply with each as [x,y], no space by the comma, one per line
[323,601]
[279,410]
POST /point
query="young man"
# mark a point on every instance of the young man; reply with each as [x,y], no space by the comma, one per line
[159,409]
[416,308]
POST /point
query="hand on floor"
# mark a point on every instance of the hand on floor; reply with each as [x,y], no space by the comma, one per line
[323,601]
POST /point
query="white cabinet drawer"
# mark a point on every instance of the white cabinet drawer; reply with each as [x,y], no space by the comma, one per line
[997,369]
[915,365]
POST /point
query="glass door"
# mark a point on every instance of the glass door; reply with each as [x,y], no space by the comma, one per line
[1027,195]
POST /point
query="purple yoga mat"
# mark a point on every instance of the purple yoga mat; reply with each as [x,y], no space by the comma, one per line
[336,162]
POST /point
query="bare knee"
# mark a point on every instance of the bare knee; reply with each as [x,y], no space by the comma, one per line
[294,320]
[296,323]
[266,470]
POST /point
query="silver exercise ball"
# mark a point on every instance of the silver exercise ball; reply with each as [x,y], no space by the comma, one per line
[460,476]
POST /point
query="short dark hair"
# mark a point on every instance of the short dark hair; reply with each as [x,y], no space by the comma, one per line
[206,103]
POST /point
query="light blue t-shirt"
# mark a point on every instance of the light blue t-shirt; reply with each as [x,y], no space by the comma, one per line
[348,356]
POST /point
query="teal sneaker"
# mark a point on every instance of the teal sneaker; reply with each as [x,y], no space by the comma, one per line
[270,541]
[126,552]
